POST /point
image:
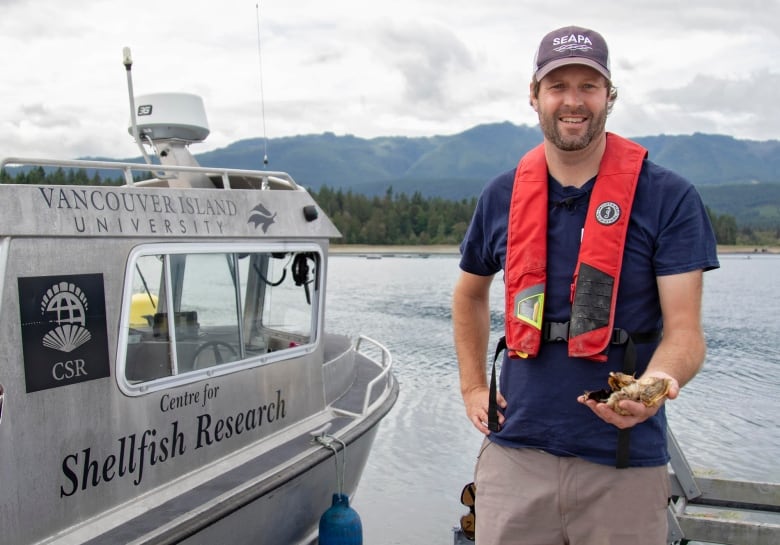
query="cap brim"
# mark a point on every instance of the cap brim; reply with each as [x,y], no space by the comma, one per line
[557,63]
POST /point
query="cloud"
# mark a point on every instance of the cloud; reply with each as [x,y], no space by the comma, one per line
[402,67]
[711,93]
[428,57]
[39,116]
[736,106]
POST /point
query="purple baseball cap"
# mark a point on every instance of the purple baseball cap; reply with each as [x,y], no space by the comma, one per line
[572,45]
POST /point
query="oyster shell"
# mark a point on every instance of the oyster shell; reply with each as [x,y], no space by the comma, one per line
[647,390]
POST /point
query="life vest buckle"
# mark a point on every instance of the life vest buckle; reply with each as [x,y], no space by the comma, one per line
[553,332]
[620,336]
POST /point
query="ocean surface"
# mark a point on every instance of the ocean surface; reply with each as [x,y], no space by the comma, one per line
[726,419]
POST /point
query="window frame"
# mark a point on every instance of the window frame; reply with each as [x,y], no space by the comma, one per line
[132,388]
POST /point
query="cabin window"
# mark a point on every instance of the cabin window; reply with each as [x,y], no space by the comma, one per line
[205,312]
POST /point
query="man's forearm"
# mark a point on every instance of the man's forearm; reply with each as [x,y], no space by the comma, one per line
[471,329]
[682,349]
[679,355]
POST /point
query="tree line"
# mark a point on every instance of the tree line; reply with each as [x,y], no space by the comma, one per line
[403,220]
[395,219]
[390,219]
[60,176]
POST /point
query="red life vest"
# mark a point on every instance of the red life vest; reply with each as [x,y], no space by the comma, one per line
[595,284]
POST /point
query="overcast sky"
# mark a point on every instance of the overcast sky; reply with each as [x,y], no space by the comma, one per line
[371,67]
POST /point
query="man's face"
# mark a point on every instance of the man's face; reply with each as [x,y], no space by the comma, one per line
[572,106]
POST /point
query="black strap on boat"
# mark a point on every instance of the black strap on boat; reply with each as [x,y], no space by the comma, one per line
[559,332]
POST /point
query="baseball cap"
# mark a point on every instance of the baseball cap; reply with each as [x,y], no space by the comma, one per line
[571,45]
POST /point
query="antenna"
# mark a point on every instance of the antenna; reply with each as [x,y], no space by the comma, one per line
[127,60]
[262,95]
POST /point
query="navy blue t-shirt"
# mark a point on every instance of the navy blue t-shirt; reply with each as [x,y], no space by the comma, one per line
[669,233]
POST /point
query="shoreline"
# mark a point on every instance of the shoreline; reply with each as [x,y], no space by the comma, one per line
[451,249]
[393,249]
[723,249]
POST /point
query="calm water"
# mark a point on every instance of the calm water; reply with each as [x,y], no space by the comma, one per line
[726,419]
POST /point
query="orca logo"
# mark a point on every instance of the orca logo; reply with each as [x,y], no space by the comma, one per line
[607,213]
[262,216]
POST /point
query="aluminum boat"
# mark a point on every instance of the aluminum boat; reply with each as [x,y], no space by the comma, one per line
[166,375]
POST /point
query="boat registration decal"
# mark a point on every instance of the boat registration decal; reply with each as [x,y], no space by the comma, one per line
[64,334]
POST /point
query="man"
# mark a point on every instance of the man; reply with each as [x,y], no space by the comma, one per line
[603,253]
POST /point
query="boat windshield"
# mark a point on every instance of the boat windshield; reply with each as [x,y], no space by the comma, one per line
[204,311]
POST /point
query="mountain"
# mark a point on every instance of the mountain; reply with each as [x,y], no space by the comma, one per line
[735,177]
[752,205]
[427,164]
[708,159]
[476,155]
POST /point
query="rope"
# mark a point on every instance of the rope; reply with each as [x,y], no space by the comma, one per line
[327,442]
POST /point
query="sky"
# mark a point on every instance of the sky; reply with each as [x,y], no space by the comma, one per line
[371,68]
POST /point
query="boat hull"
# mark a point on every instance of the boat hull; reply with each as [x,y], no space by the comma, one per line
[198,424]
[248,505]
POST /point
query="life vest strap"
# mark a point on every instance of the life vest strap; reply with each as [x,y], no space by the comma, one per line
[559,332]
[493,424]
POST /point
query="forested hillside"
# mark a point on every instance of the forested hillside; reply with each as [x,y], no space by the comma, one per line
[395,218]
[735,177]
[371,165]
[739,180]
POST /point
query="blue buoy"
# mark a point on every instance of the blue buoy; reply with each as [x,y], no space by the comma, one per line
[340,524]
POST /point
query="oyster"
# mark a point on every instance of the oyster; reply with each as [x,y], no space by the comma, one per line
[647,390]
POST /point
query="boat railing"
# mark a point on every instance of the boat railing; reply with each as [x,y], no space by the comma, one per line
[127,169]
[726,511]
[385,378]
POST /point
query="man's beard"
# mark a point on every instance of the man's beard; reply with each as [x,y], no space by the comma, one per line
[596,125]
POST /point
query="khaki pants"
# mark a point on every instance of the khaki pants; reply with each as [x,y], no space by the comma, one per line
[529,497]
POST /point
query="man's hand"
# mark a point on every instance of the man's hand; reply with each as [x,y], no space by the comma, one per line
[476,401]
[637,412]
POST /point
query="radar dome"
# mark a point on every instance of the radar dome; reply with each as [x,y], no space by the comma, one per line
[162,116]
